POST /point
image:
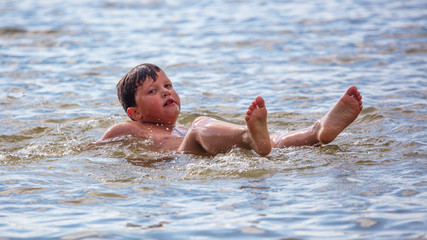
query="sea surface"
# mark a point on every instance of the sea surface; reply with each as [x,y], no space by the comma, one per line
[60,62]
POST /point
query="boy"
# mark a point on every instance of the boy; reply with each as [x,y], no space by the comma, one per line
[149,99]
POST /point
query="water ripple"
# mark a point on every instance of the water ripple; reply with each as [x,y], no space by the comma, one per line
[60,62]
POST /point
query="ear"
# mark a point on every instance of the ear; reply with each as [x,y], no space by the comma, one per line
[134,113]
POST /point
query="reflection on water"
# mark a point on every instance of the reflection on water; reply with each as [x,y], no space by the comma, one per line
[59,66]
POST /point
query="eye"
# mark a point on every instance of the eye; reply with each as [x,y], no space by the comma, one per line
[168,85]
[151,91]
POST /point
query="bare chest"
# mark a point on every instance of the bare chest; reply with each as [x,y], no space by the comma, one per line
[167,139]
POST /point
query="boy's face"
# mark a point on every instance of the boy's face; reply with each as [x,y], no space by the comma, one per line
[157,102]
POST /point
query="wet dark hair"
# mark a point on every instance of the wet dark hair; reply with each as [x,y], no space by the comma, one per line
[126,88]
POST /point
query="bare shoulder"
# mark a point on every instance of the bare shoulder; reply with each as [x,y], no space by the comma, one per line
[125,128]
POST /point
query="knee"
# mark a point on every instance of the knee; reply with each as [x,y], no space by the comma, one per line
[199,126]
[200,121]
[196,125]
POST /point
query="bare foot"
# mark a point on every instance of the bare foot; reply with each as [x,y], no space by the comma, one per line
[256,121]
[340,116]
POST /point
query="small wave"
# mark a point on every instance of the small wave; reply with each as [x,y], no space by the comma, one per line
[19,31]
[235,164]
[340,60]
[369,115]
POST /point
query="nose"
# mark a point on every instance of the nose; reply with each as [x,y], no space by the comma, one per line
[166,92]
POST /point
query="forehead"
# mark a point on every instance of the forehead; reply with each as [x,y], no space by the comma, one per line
[161,78]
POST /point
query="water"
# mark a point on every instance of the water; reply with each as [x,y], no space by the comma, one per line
[60,62]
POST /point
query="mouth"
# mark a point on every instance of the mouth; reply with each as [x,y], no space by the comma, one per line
[169,102]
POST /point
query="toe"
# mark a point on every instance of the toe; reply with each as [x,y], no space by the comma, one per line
[260,101]
[351,91]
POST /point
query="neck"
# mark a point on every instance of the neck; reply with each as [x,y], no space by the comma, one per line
[170,126]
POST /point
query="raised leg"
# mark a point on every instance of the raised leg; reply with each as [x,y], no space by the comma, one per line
[329,127]
[210,136]
[340,116]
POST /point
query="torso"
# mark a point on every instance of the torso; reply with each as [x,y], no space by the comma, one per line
[167,139]
[163,138]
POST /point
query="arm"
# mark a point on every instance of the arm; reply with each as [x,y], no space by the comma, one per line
[122,129]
